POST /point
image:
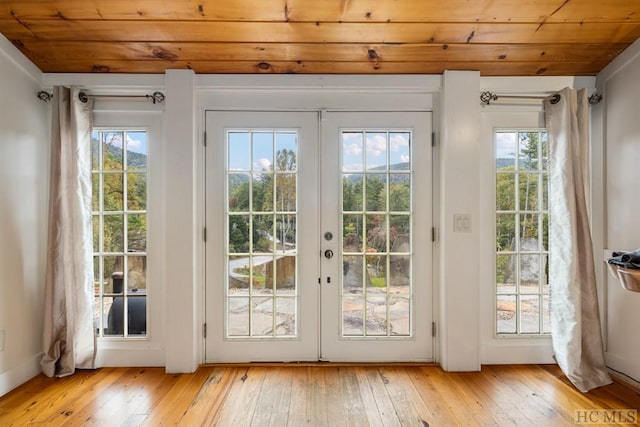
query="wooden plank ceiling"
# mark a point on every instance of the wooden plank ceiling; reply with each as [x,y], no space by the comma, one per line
[497,37]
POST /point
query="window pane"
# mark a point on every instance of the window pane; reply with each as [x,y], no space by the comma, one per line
[238,316]
[400,193]
[238,189]
[113,233]
[530,314]
[262,149]
[95,191]
[352,152]
[352,268]
[136,144]
[137,233]
[263,236]
[505,192]
[528,150]
[376,153]
[136,191]
[506,306]
[400,151]
[286,152]
[285,238]
[352,190]
[399,319]
[239,144]
[113,274]
[137,315]
[238,234]
[505,232]
[352,316]
[376,315]
[352,230]
[376,233]
[529,274]
[528,192]
[506,144]
[286,277]
[286,192]
[112,153]
[506,269]
[376,192]
[400,273]
[285,317]
[95,150]
[262,316]
[262,192]
[377,272]
[113,189]
[239,273]
[528,232]
[400,233]
[136,273]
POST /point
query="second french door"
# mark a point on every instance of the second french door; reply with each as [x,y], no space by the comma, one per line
[319,236]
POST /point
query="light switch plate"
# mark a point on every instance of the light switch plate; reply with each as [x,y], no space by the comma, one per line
[2,334]
[461,223]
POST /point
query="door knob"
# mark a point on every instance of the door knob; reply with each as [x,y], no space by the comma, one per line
[328,254]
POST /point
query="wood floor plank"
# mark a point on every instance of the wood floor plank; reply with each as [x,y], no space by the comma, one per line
[280,411]
[380,410]
[210,397]
[299,410]
[242,398]
[309,395]
[176,401]
[434,398]
[409,407]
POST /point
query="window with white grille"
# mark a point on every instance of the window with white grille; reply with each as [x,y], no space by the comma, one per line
[119,174]
[521,261]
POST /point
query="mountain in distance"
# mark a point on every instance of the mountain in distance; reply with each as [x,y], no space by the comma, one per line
[134,160]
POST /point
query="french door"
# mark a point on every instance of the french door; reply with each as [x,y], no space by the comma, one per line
[319,236]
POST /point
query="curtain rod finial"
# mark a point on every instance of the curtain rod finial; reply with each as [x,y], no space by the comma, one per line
[44,96]
[595,98]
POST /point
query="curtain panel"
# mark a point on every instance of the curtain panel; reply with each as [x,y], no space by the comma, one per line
[68,336]
[575,320]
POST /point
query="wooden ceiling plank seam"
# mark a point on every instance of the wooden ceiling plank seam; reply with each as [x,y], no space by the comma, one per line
[344,68]
[325,10]
[326,33]
[273,51]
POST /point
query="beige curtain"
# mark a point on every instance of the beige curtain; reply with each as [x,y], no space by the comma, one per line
[575,321]
[69,340]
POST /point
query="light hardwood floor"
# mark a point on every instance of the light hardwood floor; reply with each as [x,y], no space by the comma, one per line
[310,394]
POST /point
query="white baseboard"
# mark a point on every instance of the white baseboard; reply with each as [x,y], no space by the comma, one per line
[130,357]
[627,367]
[20,374]
[508,352]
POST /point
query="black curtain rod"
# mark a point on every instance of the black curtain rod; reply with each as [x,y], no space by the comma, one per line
[487,97]
[156,97]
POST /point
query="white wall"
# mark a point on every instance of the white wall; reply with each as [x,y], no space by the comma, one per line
[24,165]
[620,123]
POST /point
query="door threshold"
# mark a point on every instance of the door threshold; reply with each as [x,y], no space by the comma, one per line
[316,364]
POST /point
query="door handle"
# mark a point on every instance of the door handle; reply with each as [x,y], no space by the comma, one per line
[328,254]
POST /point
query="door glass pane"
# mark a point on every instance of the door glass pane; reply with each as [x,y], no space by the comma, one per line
[261,250]
[376,233]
